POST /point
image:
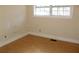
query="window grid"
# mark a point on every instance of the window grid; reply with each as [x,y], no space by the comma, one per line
[49,10]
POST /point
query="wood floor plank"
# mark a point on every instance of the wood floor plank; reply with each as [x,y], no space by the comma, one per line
[35,44]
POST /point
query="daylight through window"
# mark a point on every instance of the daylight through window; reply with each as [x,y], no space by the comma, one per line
[51,10]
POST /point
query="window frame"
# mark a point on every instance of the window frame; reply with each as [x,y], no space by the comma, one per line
[71,12]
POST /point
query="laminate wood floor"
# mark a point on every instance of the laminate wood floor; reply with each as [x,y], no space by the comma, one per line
[36,44]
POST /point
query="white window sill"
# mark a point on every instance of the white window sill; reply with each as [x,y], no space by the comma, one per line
[65,17]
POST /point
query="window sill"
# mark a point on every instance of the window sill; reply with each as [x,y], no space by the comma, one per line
[65,17]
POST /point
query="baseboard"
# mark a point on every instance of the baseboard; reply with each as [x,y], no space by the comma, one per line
[13,39]
[55,37]
[41,35]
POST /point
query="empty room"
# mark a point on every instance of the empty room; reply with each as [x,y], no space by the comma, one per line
[39,28]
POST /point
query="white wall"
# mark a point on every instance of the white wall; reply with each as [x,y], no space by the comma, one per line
[13,22]
[17,21]
[67,28]
[76,21]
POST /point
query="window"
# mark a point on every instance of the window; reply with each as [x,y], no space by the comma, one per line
[52,10]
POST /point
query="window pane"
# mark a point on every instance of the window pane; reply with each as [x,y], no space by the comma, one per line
[60,12]
[66,13]
[41,11]
[60,8]
[47,10]
[54,12]
[54,9]
[67,8]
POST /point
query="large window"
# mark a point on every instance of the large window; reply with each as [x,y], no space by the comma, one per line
[40,10]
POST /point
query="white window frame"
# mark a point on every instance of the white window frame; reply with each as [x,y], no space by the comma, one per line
[71,12]
[40,7]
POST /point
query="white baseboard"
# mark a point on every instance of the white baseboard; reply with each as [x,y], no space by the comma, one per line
[41,35]
[12,39]
[55,37]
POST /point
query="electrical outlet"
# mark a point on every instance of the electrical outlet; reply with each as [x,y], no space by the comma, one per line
[5,36]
